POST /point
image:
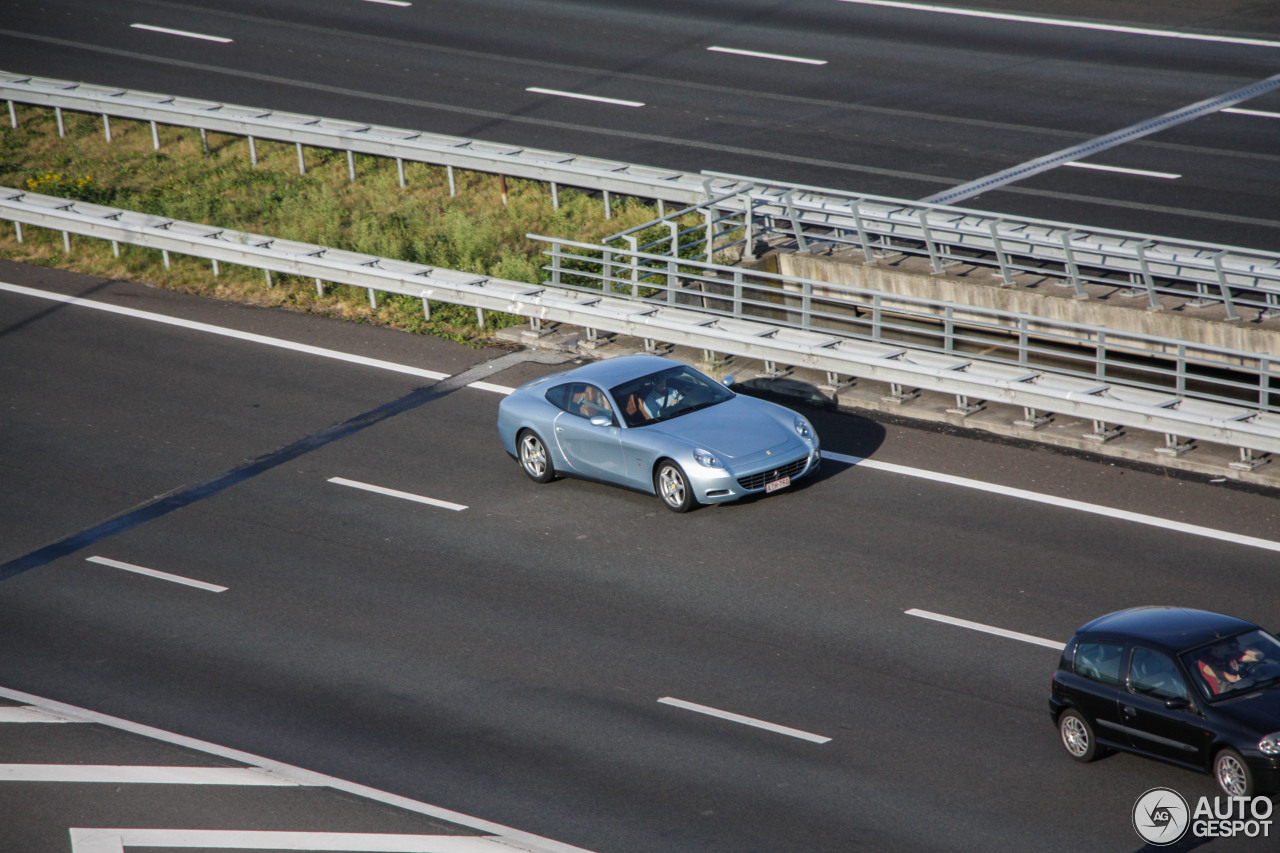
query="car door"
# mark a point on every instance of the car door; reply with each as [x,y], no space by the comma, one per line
[1174,733]
[591,448]
[1096,693]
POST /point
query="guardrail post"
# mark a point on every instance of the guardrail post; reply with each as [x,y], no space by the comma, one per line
[302,162]
[797,227]
[1001,258]
[351,165]
[319,288]
[204,140]
[215,267]
[13,116]
[737,292]
[18,227]
[635,267]
[66,242]
[863,236]
[453,188]
[934,259]
[749,228]
[115,248]
[155,136]
[62,130]
[1154,303]
[1073,269]
[555,196]
[1227,302]
[606,272]
[164,253]
[426,309]
[400,170]
[106,129]
[608,208]
[253,152]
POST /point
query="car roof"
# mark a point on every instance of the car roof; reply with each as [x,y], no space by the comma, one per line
[611,371]
[1174,628]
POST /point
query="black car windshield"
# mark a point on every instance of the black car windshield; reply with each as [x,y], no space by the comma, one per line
[1238,665]
[667,394]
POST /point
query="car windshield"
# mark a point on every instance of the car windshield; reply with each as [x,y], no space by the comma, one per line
[1240,664]
[667,394]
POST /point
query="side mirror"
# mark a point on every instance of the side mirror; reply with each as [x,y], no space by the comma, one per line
[1177,703]
[727,381]
[601,421]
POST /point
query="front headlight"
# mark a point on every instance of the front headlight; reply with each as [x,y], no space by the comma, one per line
[1270,745]
[803,428]
[706,458]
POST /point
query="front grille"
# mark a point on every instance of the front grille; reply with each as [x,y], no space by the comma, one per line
[758,481]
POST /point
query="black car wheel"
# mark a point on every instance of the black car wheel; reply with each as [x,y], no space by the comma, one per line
[1077,736]
[1232,774]
[534,457]
[672,486]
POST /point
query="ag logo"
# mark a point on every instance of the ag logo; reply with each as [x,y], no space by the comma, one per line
[1161,816]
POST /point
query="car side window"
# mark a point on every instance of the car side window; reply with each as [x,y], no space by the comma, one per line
[581,399]
[1100,662]
[1156,675]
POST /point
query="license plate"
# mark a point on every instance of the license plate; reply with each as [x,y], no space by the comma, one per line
[777,484]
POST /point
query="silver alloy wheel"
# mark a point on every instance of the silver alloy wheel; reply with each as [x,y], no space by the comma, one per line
[672,487]
[1233,778]
[1075,735]
[533,456]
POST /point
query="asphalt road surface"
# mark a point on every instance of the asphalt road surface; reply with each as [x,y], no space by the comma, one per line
[900,100]
[533,655]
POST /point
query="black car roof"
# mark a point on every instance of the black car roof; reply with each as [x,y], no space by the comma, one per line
[1174,628]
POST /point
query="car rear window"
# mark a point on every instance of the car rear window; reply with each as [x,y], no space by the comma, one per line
[1099,662]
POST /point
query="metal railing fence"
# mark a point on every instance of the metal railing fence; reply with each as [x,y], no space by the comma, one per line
[738,210]
[1107,403]
[973,333]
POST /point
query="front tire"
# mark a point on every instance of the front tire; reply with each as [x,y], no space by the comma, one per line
[534,458]
[1232,774]
[671,484]
[1077,736]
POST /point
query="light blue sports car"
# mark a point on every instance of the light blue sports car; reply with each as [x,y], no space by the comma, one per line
[656,425]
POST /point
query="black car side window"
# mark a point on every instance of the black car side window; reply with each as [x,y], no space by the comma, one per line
[1156,675]
[1100,662]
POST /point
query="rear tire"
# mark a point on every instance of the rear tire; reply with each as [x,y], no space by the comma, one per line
[671,484]
[1077,736]
[534,458]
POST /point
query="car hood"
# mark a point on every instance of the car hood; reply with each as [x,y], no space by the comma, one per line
[734,429]
[1258,711]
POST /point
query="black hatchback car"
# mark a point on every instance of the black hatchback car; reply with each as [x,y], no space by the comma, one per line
[1185,686]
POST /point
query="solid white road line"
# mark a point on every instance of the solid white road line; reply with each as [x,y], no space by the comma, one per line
[152,573]
[182,33]
[1255,113]
[524,840]
[131,775]
[614,101]
[224,332]
[757,55]
[1076,164]
[746,721]
[102,840]
[1065,503]
[987,629]
[390,2]
[1056,22]
[408,496]
[30,714]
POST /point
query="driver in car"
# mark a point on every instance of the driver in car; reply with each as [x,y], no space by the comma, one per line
[1221,665]
[660,398]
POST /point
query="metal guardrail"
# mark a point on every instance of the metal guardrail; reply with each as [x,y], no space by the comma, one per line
[553,167]
[1232,278]
[1106,403]
[1140,265]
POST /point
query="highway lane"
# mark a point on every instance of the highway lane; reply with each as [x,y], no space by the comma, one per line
[909,103]
[507,660]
